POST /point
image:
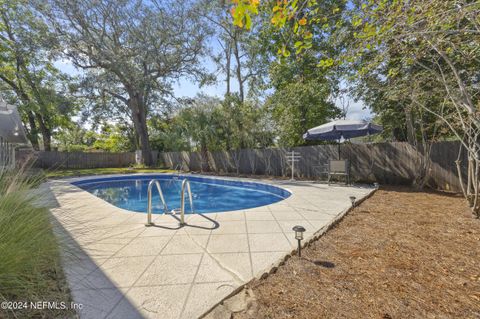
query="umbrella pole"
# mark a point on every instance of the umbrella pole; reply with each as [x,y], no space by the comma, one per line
[341,136]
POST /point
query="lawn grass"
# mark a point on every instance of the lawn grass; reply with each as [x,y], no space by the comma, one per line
[30,268]
[59,173]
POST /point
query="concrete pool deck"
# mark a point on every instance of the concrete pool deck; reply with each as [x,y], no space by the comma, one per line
[118,268]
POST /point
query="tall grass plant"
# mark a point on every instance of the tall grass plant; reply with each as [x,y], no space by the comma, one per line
[30,268]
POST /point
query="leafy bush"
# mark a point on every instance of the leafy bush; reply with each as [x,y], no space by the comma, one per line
[76,148]
[30,268]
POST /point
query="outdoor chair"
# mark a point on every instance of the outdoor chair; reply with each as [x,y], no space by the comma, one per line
[338,167]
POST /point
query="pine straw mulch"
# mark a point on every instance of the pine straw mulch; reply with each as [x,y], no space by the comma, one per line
[400,254]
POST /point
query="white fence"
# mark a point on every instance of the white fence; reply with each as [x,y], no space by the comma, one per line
[7,155]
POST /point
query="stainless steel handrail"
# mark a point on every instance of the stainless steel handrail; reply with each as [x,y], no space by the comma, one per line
[149,207]
[186,184]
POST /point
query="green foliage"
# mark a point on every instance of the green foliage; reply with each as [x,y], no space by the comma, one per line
[298,24]
[242,12]
[114,138]
[167,134]
[244,124]
[110,138]
[416,66]
[408,58]
[302,94]
[297,37]
[30,268]
[201,123]
[132,52]
[76,148]
[207,123]
[72,138]
[298,106]
[28,77]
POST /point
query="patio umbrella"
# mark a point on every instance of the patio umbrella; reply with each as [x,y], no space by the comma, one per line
[337,129]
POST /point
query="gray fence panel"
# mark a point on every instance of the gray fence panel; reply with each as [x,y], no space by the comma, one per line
[386,163]
[79,160]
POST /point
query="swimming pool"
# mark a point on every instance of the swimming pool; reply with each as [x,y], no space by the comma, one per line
[209,194]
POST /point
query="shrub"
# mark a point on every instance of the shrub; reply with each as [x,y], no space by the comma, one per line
[30,268]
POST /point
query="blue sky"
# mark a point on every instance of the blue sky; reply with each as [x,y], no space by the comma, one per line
[187,88]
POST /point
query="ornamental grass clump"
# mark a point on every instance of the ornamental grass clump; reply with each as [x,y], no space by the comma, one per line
[30,269]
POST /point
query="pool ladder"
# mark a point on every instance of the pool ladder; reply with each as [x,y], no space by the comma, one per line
[185,186]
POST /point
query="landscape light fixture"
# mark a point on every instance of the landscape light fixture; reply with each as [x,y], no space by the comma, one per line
[299,230]
[353,199]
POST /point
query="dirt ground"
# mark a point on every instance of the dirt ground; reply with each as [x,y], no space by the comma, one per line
[400,254]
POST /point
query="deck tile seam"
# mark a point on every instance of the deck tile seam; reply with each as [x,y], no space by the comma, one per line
[150,286]
[285,235]
[187,298]
[124,295]
[248,244]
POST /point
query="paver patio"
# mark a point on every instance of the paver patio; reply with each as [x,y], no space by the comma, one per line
[118,268]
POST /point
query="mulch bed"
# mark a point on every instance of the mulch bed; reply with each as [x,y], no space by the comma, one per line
[400,254]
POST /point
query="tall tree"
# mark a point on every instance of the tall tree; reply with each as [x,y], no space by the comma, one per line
[303,94]
[431,50]
[132,49]
[298,106]
[200,122]
[206,123]
[434,44]
[242,57]
[244,124]
[27,71]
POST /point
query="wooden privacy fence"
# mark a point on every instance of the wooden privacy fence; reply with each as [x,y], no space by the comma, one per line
[386,163]
[75,160]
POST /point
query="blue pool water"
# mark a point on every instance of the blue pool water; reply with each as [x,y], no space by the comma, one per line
[209,194]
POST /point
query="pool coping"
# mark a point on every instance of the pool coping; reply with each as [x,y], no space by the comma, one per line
[322,221]
[276,190]
[72,180]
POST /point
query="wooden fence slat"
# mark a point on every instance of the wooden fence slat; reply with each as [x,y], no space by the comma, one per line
[79,160]
[386,163]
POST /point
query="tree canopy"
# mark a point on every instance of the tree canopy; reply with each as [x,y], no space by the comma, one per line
[28,75]
[132,50]
[414,62]
[281,66]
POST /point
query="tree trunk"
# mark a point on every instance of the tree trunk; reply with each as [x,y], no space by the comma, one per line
[46,133]
[303,125]
[139,117]
[459,170]
[410,128]
[33,132]
[228,56]
[204,155]
[236,53]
